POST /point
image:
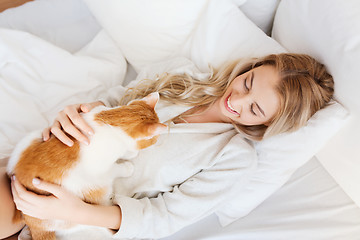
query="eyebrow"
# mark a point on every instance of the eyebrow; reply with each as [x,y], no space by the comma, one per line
[251,83]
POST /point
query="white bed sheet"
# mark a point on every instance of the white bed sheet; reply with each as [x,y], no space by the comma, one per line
[310,206]
[65,23]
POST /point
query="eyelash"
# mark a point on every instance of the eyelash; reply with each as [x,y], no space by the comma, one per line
[252,105]
[246,88]
[252,109]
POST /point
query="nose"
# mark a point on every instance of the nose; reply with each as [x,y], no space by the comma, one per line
[240,101]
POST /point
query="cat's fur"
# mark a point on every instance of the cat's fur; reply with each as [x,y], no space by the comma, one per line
[87,171]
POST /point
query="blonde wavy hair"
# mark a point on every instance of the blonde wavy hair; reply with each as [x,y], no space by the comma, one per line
[305,87]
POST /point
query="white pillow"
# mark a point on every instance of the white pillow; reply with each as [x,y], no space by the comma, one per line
[37,79]
[261,12]
[224,33]
[148,31]
[153,31]
[329,30]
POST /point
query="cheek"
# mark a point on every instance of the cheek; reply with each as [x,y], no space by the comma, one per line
[250,120]
[237,84]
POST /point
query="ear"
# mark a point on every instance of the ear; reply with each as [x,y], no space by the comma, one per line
[156,129]
[152,99]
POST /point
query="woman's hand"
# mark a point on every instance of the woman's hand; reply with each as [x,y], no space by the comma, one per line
[61,205]
[69,121]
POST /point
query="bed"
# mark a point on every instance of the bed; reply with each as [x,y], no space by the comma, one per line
[58,52]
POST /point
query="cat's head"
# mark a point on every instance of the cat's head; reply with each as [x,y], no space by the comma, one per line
[138,119]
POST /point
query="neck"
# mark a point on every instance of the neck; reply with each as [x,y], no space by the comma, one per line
[201,114]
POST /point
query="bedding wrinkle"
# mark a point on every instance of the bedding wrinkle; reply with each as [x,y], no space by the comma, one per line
[38,79]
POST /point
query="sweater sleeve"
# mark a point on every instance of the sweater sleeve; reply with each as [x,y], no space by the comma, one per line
[188,202]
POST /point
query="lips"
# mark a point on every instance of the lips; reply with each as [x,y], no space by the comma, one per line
[229,107]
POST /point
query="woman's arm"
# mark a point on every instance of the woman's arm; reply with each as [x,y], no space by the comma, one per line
[63,205]
[202,194]
[101,216]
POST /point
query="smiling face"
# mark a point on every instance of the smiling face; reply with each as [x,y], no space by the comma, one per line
[251,98]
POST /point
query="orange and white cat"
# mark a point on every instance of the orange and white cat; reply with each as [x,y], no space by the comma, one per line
[87,170]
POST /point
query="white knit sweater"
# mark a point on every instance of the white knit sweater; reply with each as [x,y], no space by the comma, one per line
[187,175]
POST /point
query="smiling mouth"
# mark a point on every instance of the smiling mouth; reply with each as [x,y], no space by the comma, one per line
[229,107]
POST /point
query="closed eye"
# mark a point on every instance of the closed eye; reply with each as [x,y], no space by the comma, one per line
[245,86]
[252,109]
[251,82]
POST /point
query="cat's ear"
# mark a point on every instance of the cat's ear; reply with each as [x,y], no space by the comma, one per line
[152,99]
[157,128]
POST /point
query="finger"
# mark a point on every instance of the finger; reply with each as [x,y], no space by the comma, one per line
[52,188]
[21,194]
[69,123]
[14,192]
[59,134]
[76,119]
[87,107]
[19,202]
[46,134]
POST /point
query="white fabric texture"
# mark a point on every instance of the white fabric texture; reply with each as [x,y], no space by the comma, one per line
[311,206]
[333,38]
[210,32]
[261,12]
[65,23]
[161,26]
[37,79]
[224,33]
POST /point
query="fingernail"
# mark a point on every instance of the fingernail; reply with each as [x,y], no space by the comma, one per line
[69,144]
[91,133]
[36,181]
[86,142]
[13,177]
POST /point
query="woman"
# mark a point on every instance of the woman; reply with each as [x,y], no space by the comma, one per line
[209,119]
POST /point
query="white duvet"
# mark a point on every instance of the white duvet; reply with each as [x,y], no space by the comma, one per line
[37,79]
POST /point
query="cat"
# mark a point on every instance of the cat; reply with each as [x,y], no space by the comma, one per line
[86,170]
